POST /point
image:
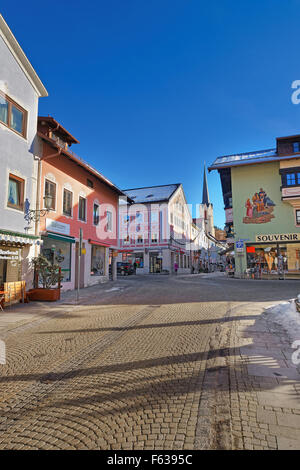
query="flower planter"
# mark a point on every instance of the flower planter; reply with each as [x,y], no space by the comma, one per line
[46,295]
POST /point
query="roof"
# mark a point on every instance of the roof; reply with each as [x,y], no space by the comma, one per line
[79,161]
[260,156]
[21,58]
[152,193]
[57,126]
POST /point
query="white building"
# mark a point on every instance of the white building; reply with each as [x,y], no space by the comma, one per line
[20,90]
[155,231]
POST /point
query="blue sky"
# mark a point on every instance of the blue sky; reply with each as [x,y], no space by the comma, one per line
[153,88]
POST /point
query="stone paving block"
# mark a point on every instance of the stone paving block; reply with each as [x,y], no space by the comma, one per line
[266,417]
[290,420]
[288,444]
[279,373]
[281,400]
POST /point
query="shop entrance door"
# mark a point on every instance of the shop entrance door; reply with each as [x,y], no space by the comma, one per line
[155,263]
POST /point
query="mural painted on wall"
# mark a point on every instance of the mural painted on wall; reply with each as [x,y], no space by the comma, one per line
[259,209]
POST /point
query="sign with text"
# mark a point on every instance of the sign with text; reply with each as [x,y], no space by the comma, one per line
[58,227]
[239,246]
[278,237]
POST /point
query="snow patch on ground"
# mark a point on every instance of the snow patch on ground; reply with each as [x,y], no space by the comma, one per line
[286,315]
[114,289]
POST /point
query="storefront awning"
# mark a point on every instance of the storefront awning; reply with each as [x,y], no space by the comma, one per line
[18,238]
[98,243]
[63,238]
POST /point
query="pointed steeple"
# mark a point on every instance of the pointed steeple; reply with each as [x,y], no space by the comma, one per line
[205,196]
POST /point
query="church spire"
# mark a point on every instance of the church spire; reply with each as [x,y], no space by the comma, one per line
[205,196]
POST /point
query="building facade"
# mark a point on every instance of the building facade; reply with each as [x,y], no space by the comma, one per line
[20,90]
[79,199]
[262,191]
[155,231]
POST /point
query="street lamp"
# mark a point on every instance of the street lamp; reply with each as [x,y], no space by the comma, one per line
[31,215]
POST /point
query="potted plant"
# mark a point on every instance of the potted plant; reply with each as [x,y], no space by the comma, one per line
[47,275]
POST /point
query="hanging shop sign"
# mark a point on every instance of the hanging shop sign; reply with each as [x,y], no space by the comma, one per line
[278,237]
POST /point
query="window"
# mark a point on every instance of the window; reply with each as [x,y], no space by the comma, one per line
[50,195]
[296,146]
[126,240]
[15,197]
[96,214]
[290,179]
[89,183]
[139,217]
[59,252]
[298,217]
[140,239]
[154,237]
[82,209]
[109,221]
[67,203]
[12,115]
[3,110]
[154,217]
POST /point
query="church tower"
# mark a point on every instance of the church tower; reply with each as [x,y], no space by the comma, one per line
[206,208]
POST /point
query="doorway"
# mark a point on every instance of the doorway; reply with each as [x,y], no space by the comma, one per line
[155,263]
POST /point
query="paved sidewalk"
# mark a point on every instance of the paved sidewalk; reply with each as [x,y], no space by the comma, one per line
[264,383]
[164,362]
[20,314]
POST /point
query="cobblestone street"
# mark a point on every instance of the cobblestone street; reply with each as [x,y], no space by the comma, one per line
[151,362]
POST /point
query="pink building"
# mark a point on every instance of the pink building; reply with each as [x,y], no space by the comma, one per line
[77,197]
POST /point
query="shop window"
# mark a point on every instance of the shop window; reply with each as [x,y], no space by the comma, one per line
[98,261]
[12,115]
[15,197]
[96,217]
[109,221]
[82,209]
[139,260]
[58,252]
[298,217]
[265,259]
[67,203]
[50,195]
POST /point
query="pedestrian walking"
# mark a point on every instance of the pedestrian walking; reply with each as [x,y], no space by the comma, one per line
[175,268]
